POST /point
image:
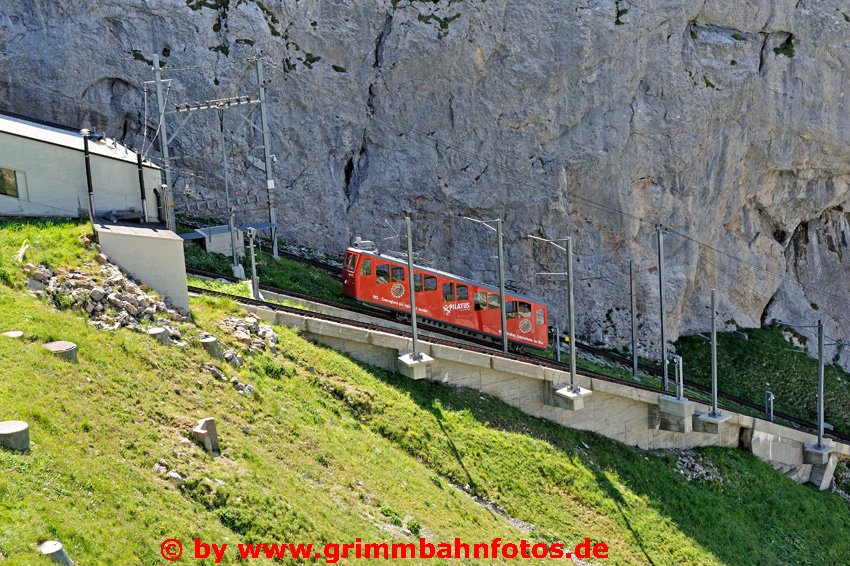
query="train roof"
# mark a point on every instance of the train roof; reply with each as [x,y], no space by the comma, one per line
[379,255]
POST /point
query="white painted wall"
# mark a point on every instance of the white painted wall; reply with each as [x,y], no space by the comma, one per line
[52,180]
[151,255]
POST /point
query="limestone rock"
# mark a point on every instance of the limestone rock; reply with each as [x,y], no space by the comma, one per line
[700,115]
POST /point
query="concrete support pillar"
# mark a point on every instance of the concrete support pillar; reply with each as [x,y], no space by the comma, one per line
[207,435]
[414,368]
[675,415]
[63,349]
[211,345]
[15,435]
[161,335]
[56,552]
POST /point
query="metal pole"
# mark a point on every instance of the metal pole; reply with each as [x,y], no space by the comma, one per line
[634,320]
[163,143]
[680,380]
[768,405]
[231,213]
[664,382]
[268,155]
[255,281]
[415,356]
[142,187]
[558,344]
[502,287]
[572,314]
[820,385]
[714,411]
[85,134]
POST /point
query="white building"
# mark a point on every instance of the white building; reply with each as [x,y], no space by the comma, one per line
[43,173]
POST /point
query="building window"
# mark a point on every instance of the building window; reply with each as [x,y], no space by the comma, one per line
[367,267]
[382,273]
[8,183]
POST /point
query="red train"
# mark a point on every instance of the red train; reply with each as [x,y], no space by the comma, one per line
[380,280]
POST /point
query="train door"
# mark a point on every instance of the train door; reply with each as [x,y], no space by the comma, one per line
[349,273]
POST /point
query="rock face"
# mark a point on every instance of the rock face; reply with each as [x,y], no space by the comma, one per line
[721,119]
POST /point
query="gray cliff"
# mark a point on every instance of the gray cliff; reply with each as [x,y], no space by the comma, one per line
[724,120]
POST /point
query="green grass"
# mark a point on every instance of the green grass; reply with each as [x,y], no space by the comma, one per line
[765,362]
[337,450]
[281,273]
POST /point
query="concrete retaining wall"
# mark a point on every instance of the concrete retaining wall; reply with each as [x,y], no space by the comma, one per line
[627,414]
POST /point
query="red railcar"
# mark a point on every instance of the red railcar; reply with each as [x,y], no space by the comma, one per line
[380,280]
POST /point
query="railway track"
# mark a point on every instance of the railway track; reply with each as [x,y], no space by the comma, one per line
[474,344]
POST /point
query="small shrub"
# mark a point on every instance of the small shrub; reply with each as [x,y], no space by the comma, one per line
[414,527]
[786,47]
[738,37]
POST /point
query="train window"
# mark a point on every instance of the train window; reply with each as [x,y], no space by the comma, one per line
[417,282]
[462,293]
[480,301]
[448,292]
[366,269]
[398,274]
[524,310]
[430,283]
[352,259]
[382,273]
[510,309]
[493,301]
[540,319]
[346,260]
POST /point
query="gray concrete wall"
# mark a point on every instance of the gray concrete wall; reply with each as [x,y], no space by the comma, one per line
[52,180]
[627,414]
[153,256]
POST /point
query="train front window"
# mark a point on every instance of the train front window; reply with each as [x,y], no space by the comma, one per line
[480,301]
[417,282]
[346,261]
[448,292]
[382,273]
[430,283]
[524,310]
[540,317]
[366,268]
[398,274]
[462,293]
[493,301]
[510,309]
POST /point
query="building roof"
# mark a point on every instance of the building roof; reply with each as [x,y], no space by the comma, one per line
[64,136]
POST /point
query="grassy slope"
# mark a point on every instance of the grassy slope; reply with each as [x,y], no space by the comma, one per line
[337,450]
[281,273]
[765,362]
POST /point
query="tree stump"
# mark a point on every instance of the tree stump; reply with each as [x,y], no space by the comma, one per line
[63,349]
[15,435]
[55,550]
[211,345]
